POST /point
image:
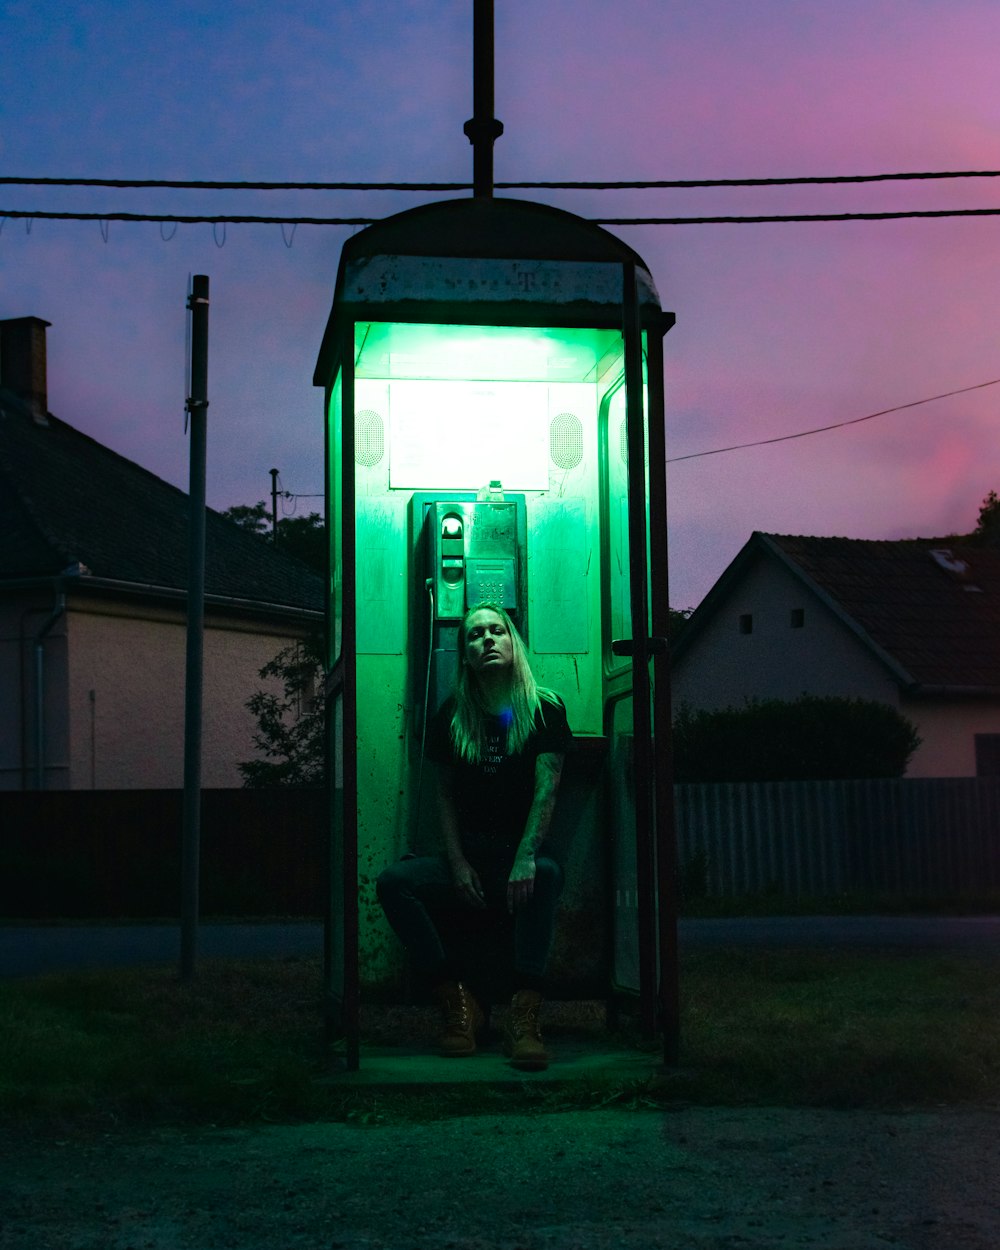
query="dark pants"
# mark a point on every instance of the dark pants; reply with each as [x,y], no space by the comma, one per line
[420,901]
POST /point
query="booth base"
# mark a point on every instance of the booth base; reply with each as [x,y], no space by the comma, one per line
[399,1048]
[572,1061]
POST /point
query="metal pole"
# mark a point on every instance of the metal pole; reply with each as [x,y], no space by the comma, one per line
[639,602]
[482,128]
[665,837]
[197,406]
[57,611]
[274,505]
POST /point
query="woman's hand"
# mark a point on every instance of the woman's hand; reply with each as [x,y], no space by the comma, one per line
[521,883]
[467,883]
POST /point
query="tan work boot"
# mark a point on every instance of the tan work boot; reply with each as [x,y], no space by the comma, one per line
[523,1044]
[462,1018]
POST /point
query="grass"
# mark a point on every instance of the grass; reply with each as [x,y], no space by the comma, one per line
[243,1043]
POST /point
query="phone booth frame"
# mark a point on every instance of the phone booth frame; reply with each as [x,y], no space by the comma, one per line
[488,262]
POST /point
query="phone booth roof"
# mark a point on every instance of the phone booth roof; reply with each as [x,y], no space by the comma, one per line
[482,261]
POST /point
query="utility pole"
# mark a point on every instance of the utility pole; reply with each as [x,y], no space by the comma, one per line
[274,505]
[197,407]
[482,129]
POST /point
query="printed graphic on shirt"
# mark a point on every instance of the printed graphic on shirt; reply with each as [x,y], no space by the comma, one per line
[495,753]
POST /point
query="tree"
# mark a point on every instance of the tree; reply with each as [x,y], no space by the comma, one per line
[677,618]
[303,537]
[811,738]
[291,726]
[989,516]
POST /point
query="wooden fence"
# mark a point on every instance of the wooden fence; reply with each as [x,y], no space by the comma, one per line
[117,853]
[907,837]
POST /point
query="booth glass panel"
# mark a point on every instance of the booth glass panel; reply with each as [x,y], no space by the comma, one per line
[478,455]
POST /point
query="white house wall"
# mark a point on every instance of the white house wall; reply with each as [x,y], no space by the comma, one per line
[126,698]
[948,729]
[724,667]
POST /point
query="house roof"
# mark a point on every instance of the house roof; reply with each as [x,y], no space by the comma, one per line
[928,608]
[67,500]
[483,260]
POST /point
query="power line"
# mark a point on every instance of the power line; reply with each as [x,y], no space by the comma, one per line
[838,425]
[788,217]
[193,219]
[632,185]
[246,219]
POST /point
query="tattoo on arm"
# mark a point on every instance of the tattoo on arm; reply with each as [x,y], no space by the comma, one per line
[548,770]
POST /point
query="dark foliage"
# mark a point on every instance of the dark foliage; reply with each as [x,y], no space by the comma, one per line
[811,738]
[303,537]
[290,726]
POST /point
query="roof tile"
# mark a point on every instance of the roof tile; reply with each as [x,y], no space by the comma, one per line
[941,624]
[64,498]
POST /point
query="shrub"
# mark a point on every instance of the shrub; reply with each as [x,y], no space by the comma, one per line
[810,738]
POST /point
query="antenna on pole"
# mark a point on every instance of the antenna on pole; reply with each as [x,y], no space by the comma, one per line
[274,505]
[482,129]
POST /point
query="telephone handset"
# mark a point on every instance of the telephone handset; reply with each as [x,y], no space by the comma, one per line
[475,556]
[468,549]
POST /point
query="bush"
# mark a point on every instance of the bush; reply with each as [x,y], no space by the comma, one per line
[809,739]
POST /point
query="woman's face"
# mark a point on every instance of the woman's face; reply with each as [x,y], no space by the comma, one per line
[489,648]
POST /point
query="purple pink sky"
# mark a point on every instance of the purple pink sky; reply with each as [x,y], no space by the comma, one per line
[780,327]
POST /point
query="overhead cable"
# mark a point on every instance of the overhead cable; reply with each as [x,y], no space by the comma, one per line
[564,185]
[248,219]
[193,219]
[837,425]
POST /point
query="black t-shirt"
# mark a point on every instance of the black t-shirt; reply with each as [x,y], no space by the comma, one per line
[494,795]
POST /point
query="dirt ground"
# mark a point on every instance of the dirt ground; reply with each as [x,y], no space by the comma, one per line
[688,1179]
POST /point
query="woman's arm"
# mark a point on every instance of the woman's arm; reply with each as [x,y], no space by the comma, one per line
[466,878]
[548,770]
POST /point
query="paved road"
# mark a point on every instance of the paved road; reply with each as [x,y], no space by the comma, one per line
[971,933]
[33,949]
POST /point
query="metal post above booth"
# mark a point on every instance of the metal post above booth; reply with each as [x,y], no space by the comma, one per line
[494,396]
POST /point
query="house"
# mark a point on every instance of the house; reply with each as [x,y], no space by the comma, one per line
[913,623]
[93,575]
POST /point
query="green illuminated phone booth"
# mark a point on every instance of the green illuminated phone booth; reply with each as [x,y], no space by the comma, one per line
[494,397]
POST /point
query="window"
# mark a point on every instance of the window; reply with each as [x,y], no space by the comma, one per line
[746,623]
[987,755]
[797,618]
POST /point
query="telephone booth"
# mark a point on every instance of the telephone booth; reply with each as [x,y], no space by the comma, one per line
[494,397]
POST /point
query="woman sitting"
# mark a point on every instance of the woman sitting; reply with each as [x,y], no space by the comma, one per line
[498,744]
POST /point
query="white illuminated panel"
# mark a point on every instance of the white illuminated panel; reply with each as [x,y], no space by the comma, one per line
[462,435]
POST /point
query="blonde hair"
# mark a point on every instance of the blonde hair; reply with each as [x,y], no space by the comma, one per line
[469,721]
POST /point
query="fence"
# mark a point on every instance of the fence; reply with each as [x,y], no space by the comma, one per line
[117,853]
[906,837]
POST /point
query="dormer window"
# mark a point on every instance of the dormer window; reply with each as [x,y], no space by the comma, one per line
[956,567]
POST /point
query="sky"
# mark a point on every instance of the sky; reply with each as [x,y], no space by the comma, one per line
[780,327]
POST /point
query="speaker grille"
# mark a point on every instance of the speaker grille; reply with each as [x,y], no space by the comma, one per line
[623,441]
[566,440]
[369,438]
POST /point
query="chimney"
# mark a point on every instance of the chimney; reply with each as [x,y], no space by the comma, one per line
[22,362]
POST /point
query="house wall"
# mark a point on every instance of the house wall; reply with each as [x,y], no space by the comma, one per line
[114,676]
[723,667]
[126,696]
[948,728]
[21,618]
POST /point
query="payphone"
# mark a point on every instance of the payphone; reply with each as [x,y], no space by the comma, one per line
[469,549]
